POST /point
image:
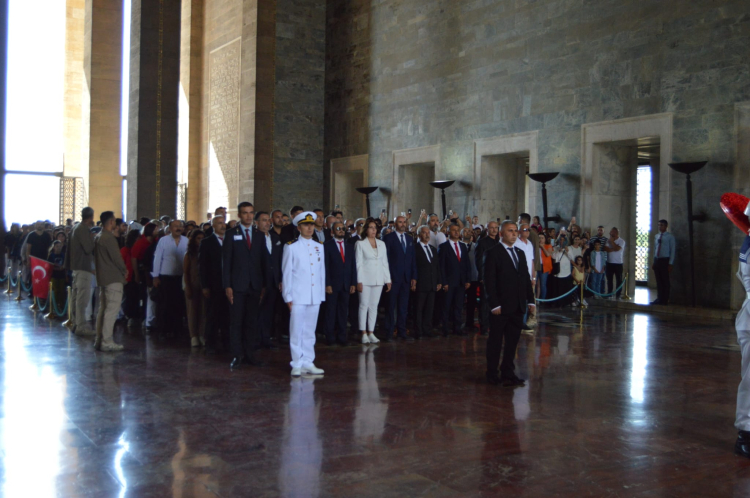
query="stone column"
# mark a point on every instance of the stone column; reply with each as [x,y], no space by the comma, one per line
[100,116]
[75,14]
[152,123]
[191,100]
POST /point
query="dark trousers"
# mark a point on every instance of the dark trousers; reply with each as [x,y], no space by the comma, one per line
[484,312]
[452,307]
[244,333]
[613,273]
[217,320]
[354,313]
[268,314]
[471,304]
[398,300]
[132,307]
[337,309]
[503,329]
[423,314]
[171,309]
[661,270]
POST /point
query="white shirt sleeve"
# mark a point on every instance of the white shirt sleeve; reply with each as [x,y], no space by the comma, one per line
[158,254]
[287,262]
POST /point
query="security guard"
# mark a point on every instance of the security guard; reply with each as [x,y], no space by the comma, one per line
[303,288]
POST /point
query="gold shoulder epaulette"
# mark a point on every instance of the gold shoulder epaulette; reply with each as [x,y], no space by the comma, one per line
[291,242]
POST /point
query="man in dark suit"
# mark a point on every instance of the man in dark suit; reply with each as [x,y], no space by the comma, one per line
[272,243]
[454,268]
[320,227]
[245,263]
[427,283]
[341,282]
[209,270]
[509,293]
[399,246]
[485,244]
[289,232]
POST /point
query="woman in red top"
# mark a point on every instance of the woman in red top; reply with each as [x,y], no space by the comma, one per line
[132,299]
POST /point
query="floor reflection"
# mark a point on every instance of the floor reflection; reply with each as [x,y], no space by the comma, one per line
[371,411]
[302,453]
[33,421]
[640,357]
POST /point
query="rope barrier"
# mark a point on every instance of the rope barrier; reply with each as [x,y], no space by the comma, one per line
[64,312]
[13,283]
[23,286]
[558,297]
[42,308]
[607,295]
[3,279]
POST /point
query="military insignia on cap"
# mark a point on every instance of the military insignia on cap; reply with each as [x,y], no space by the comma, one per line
[306,217]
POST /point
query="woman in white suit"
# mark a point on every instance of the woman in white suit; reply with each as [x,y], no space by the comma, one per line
[372,274]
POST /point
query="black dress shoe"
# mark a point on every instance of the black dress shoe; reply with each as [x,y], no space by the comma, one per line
[512,382]
[236,364]
[255,362]
[526,327]
[742,445]
[493,380]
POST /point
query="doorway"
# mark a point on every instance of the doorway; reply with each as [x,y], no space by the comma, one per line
[509,194]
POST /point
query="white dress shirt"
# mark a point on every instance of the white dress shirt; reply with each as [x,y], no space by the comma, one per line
[269,243]
[168,257]
[528,250]
[247,231]
[426,251]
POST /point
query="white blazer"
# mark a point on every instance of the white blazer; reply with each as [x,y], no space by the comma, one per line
[372,264]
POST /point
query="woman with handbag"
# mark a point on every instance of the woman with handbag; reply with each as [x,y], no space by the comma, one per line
[372,273]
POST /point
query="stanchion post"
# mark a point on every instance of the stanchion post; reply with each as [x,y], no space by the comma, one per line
[69,322]
[20,289]
[625,294]
[51,314]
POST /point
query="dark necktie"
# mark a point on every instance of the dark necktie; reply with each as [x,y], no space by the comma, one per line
[513,257]
[247,238]
[427,251]
[403,243]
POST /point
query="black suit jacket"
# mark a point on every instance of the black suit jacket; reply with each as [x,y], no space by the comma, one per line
[454,272]
[289,233]
[428,271]
[274,259]
[505,285]
[325,236]
[209,264]
[244,270]
[340,275]
[485,244]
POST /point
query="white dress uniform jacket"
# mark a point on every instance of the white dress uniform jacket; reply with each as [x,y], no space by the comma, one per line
[742,324]
[303,269]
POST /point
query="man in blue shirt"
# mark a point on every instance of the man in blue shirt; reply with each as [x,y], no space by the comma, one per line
[663,261]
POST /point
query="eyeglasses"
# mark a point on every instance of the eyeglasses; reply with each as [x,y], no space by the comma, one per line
[338,228]
[524,229]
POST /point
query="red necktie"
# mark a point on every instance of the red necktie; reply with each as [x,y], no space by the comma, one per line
[458,252]
[247,238]
[341,250]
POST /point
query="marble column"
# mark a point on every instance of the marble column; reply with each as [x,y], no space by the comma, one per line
[75,15]
[153,105]
[100,115]
[191,100]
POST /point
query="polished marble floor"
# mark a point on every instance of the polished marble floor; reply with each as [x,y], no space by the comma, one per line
[623,405]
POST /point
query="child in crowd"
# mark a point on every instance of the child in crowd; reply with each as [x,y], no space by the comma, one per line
[598,265]
[579,277]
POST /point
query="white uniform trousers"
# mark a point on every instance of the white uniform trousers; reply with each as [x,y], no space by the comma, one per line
[742,324]
[302,322]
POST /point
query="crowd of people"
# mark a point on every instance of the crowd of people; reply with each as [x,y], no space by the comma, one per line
[239,286]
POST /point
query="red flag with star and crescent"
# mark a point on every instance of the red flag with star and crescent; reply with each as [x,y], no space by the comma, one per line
[41,272]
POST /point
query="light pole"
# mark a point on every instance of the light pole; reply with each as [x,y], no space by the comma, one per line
[367,191]
[543,178]
[442,185]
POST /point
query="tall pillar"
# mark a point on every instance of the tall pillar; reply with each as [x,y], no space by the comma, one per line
[3,99]
[100,117]
[152,120]
[75,15]
[191,100]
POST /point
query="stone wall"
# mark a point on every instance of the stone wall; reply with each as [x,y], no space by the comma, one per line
[408,73]
[299,104]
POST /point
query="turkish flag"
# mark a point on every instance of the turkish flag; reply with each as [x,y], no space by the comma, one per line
[41,272]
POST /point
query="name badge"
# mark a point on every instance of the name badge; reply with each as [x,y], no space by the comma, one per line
[238,237]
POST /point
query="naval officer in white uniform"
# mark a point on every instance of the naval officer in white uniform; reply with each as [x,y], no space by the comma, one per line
[303,288]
